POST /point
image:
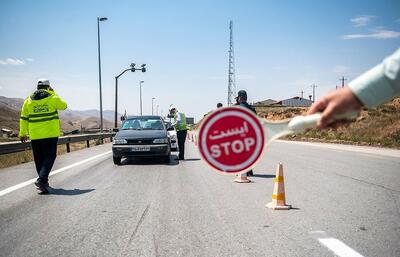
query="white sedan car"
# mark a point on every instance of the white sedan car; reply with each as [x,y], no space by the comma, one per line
[172,135]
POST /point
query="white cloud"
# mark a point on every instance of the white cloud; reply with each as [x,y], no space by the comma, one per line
[11,61]
[340,69]
[362,20]
[375,34]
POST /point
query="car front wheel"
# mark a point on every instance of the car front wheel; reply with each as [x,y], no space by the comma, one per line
[117,160]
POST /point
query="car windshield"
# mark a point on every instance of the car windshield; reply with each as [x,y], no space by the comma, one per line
[143,124]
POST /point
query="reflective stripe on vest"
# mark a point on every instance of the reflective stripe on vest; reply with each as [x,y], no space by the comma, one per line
[43,117]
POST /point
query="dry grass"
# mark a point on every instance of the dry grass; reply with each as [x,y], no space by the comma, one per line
[8,160]
[376,127]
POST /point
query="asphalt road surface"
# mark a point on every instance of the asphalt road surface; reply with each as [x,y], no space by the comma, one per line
[346,203]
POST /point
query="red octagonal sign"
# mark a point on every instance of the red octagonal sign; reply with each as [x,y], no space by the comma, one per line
[231,140]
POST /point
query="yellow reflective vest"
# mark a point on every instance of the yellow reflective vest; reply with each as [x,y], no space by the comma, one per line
[180,121]
[39,115]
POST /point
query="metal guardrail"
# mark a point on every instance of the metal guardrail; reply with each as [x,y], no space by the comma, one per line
[13,147]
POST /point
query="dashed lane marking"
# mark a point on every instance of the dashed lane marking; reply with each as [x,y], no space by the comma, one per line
[335,245]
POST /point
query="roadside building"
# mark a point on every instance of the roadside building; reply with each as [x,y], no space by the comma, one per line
[189,120]
[265,102]
[290,102]
[295,102]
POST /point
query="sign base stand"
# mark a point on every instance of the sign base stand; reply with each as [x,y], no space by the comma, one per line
[242,178]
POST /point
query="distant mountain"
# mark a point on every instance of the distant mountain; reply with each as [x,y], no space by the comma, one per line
[11,103]
[70,120]
[107,114]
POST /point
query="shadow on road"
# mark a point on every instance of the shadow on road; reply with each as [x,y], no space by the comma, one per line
[61,191]
[263,176]
[149,161]
[191,160]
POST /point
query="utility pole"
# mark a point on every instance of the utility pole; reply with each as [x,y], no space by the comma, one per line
[313,94]
[132,69]
[342,79]
[152,105]
[231,69]
[302,93]
[140,85]
[98,48]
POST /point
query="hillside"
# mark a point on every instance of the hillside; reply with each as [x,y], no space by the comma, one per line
[70,119]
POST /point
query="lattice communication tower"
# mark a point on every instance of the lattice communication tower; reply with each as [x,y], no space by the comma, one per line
[231,70]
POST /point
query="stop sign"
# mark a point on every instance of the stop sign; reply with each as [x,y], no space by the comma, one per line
[231,140]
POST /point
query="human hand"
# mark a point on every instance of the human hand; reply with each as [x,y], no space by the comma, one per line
[23,139]
[336,102]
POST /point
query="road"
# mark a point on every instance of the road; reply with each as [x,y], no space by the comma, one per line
[346,203]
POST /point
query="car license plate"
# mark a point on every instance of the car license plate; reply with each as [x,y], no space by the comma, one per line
[140,148]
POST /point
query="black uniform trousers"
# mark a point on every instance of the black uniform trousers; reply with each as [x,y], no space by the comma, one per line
[44,154]
[181,135]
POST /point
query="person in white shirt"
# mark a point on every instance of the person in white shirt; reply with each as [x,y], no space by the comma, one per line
[376,86]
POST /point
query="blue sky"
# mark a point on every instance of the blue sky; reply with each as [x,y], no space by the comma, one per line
[281,48]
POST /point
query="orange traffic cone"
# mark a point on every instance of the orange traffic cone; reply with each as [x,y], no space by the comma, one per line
[278,196]
[242,178]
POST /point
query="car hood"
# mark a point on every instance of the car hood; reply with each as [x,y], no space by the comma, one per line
[141,134]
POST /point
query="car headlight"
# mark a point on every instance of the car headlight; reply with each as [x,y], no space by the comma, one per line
[119,141]
[160,141]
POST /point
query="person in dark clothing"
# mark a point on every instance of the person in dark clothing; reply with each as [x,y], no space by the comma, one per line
[241,100]
[219,105]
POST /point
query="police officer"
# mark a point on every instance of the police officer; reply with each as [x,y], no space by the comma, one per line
[40,122]
[181,129]
[241,100]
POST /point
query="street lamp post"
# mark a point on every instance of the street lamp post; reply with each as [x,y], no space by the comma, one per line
[116,97]
[133,69]
[98,46]
[140,85]
[152,105]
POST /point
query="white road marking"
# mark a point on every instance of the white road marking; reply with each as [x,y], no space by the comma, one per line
[335,245]
[352,148]
[31,181]
[338,247]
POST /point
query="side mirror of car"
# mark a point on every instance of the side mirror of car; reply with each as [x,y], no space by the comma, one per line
[115,129]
